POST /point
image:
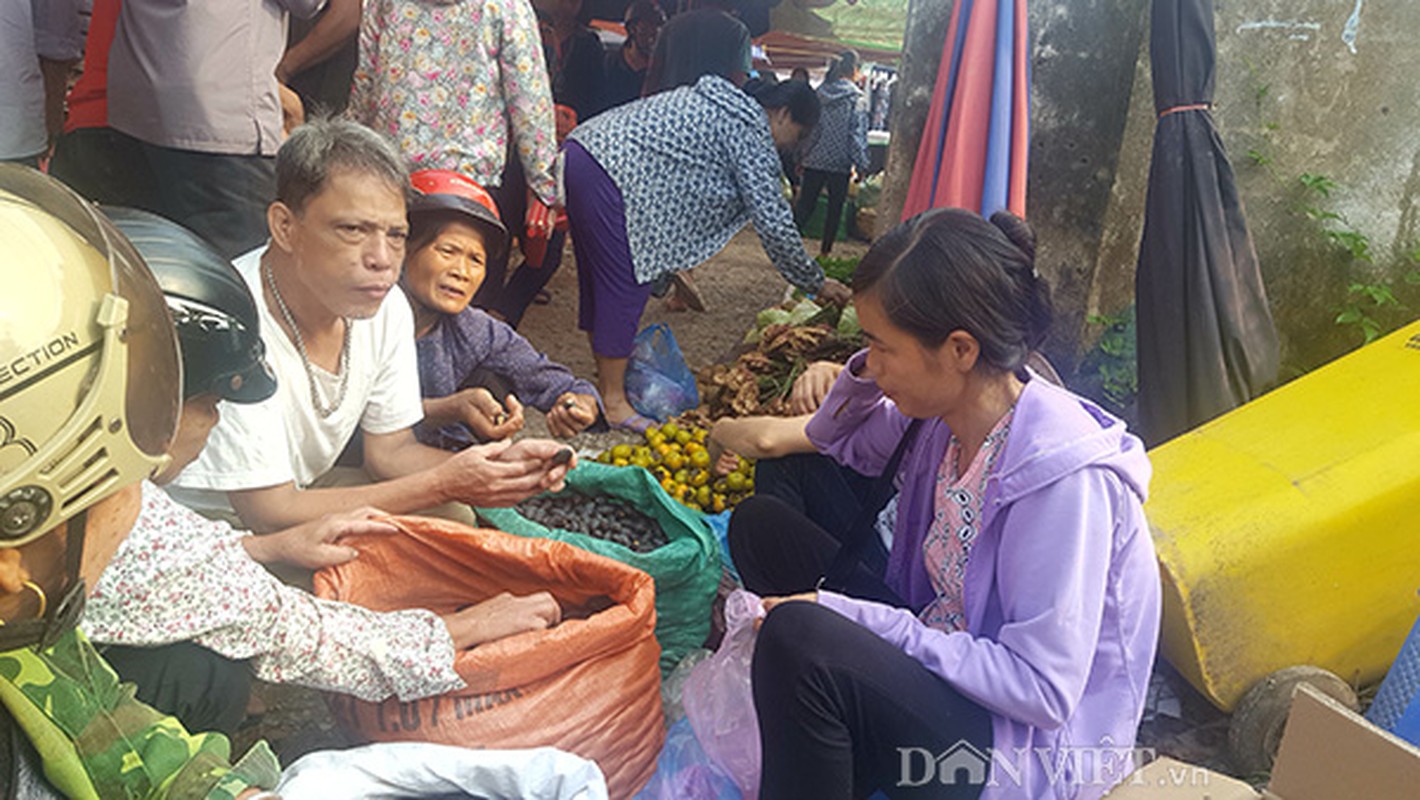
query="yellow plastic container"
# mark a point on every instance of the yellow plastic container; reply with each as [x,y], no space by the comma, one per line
[1288,530]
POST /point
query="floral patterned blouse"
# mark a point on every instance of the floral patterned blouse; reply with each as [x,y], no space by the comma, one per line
[956,520]
[179,576]
[446,80]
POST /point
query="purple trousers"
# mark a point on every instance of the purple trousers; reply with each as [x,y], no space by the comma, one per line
[610,301]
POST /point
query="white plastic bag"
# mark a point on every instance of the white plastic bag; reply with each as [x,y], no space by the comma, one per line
[418,769]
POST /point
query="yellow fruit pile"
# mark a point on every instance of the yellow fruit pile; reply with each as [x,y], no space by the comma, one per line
[679,459]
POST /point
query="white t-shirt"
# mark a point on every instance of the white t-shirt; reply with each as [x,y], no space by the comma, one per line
[282,439]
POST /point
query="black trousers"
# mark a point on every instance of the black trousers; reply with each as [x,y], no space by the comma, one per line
[816,486]
[784,537]
[204,690]
[223,198]
[510,296]
[528,279]
[511,197]
[814,181]
[843,713]
[106,166]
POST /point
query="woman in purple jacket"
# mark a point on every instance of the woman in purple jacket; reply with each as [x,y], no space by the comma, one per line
[1018,663]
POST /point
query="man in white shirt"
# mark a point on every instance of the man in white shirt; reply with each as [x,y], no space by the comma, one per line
[340,337]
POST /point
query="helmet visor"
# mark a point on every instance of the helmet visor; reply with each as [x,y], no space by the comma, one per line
[151,392]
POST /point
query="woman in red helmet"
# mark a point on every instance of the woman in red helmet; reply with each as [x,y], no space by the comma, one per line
[468,359]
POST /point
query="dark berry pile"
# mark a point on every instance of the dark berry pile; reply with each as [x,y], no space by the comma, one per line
[602,517]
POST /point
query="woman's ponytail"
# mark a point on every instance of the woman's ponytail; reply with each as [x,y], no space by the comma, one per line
[1018,231]
[1039,311]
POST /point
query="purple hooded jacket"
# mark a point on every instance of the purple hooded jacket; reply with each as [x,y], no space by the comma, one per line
[1061,588]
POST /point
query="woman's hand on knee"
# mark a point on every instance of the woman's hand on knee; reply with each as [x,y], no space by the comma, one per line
[771,603]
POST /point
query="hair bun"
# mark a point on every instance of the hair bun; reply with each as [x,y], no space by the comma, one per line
[1018,231]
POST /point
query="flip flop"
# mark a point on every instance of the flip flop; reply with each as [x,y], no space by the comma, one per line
[636,423]
[542,298]
[687,292]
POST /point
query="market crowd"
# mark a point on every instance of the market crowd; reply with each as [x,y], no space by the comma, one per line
[347,208]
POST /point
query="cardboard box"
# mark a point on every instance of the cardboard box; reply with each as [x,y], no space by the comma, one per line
[1328,752]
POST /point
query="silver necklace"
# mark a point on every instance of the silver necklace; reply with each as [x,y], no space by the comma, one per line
[322,410]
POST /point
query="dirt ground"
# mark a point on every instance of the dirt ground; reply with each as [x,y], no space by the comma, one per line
[737,284]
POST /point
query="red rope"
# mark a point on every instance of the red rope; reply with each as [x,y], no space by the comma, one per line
[1191,107]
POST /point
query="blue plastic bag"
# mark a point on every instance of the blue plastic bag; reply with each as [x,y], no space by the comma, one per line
[659,384]
[684,772]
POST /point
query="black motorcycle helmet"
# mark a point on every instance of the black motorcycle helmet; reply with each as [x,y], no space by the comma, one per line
[213,311]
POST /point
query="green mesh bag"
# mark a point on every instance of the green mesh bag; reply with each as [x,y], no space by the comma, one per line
[686,570]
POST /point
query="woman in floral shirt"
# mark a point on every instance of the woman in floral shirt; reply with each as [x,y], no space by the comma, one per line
[449,81]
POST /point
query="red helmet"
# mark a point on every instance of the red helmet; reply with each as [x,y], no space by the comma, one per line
[445,190]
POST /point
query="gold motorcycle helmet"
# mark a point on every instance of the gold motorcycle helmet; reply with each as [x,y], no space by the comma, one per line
[90,385]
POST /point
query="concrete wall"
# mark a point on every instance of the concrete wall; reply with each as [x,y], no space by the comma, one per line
[1304,94]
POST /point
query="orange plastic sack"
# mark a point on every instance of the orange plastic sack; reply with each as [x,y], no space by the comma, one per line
[588,686]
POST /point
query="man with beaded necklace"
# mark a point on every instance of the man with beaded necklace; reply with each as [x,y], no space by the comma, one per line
[340,336]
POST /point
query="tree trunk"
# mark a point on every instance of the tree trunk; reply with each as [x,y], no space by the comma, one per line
[921,55]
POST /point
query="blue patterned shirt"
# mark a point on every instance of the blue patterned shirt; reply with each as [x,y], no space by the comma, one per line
[840,140]
[694,165]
